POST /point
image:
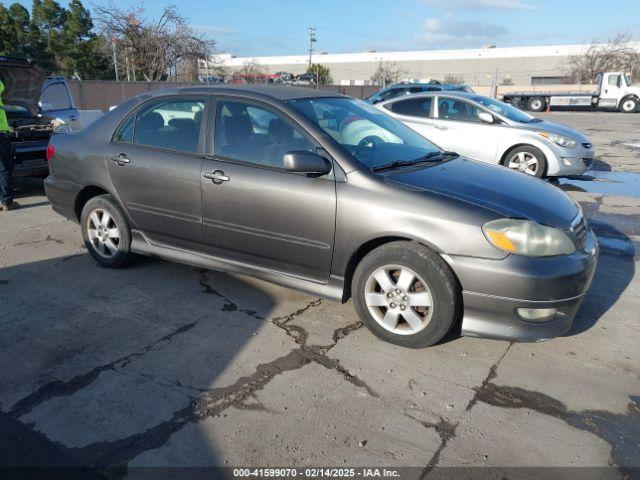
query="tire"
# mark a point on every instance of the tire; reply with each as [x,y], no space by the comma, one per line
[537,104]
[517,159]
[100,216]
[433,283]
[628,105]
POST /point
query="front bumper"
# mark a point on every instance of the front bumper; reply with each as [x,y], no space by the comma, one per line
[571,161]
[494,290]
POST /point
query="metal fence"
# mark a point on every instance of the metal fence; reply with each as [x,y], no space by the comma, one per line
[100,95]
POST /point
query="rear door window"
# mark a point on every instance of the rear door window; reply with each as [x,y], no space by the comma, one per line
[412,107]
[170,124]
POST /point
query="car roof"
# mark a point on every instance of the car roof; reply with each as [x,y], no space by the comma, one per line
[273,92]
[442,93]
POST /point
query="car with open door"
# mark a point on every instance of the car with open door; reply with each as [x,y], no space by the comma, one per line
[276,182]
[492,131]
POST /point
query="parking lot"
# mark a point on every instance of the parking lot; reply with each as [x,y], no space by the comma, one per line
[165,365]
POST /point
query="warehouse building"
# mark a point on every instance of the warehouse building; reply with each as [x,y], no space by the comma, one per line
[477,67]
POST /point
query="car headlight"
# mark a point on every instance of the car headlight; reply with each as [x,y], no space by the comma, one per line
[524,237]
[559,139]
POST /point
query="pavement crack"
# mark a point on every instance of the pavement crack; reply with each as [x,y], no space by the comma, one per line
[493,373]
[60,388]
[229,305]
[620,431]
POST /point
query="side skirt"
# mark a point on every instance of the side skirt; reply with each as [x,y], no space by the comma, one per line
[332,290]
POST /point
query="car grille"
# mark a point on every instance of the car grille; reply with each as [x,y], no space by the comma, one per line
[587,145]
[580,230]
[587,161]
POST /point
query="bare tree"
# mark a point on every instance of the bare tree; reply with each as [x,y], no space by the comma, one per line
[250,72]
[507,80]
[454,79]
[618,54]
[386,73]
[151,49]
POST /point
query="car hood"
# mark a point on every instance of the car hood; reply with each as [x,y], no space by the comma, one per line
[506,192]
[552,127]
[23,82]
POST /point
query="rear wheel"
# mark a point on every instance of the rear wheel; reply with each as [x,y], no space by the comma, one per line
[527,159]
[628,105]
[106,232]
[537,104]
[406,294]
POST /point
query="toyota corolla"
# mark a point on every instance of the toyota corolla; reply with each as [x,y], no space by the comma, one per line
[328,195]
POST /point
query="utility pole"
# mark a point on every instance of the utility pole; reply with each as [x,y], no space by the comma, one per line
[312,40]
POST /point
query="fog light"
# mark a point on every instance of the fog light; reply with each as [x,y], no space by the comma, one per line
[566,161]
[537,314]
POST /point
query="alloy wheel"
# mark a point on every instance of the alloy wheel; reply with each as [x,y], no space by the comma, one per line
[524,162]
[103,233]
[399,299]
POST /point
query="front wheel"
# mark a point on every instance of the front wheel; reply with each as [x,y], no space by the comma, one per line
[406,294]
[106,232]
[628,105]
[527,159]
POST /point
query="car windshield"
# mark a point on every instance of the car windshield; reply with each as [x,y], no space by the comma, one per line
[506,110]
[369,135]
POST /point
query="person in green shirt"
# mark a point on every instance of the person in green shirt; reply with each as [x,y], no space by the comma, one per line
[6,160]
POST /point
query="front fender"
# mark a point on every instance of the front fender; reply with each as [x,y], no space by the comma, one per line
[553,165]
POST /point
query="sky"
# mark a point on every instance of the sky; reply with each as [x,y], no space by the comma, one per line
[279,27]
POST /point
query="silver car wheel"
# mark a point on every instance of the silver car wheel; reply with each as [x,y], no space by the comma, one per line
[103,233]
[524,162]
[399,299]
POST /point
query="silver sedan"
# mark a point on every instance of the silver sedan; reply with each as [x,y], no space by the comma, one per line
[492,131]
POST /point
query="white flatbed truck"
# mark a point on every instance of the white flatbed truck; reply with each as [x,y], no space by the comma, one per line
[614,91]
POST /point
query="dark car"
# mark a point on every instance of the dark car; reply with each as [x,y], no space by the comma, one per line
[34,104]
[405,88]
[328,195]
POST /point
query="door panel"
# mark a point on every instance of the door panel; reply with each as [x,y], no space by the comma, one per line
[461,131]
[259,213]
[155,168]
[161,193]
[269,218]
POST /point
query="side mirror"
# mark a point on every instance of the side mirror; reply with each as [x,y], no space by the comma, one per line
[486,117]
[302,161]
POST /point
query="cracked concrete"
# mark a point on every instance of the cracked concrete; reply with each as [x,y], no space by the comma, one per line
[164,365]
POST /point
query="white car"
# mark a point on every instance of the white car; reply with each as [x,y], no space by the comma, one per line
[486,129]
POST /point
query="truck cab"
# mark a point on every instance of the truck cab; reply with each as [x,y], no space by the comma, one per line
[616,91]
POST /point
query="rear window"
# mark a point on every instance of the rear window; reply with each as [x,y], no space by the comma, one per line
[55,97]
[412,107]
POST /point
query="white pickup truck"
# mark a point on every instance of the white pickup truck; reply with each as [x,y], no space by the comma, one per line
[614,91]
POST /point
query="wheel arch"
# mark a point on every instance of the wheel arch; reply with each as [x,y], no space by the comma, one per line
[84,195]
[367,247]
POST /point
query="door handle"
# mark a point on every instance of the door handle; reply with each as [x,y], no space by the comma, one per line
[216,176]
[121,159]
[440,127]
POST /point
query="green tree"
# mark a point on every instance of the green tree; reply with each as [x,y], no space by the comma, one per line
[322,73]
[9,42]
[82,51]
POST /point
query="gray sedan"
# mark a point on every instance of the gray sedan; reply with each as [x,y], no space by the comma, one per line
[279,183]
[492,131]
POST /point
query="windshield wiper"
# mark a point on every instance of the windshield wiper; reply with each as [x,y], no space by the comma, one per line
[429,157]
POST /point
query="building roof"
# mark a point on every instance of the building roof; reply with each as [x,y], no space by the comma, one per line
[477,53]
